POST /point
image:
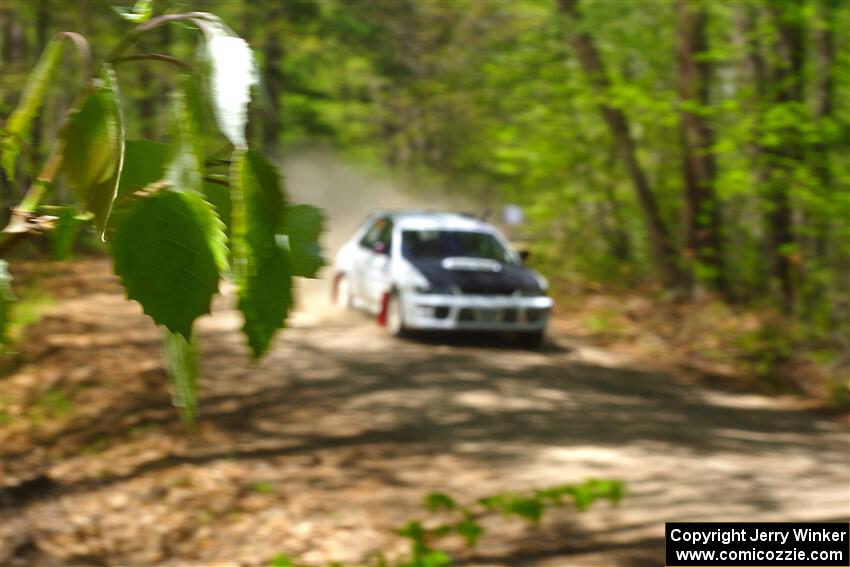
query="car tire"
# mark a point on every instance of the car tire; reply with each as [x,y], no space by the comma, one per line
[342,292]
[394,321]
[531,339]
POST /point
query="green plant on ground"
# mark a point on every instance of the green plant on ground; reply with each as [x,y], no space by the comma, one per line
[17,312]
[465,520]
[765,350]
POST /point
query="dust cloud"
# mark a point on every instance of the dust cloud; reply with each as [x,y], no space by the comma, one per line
[347,193]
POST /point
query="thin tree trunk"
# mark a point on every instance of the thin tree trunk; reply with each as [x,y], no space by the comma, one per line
[663,251]
[14,56]
[147,102]
[787,80]
[42,24]
[273,77]
[754,76]
[702,211]
[824,55]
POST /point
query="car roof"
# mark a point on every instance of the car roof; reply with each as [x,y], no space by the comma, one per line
[426,220]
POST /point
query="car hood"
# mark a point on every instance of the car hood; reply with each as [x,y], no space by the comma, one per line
[473,276]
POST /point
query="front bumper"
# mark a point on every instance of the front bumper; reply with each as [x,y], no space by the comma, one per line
[475,312]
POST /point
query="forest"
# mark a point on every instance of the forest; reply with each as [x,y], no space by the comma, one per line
[695,145]
[683,168]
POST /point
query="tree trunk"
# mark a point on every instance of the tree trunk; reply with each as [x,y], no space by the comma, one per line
[42,25]
[14,57]
[824,55]
[702,211]
[753,77]
[663,251]
[147,102]
[787,82]
[273,77]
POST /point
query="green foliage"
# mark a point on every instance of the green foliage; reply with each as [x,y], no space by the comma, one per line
[170,253]
[262,269]
[144,164]
[439,501]
[263,487]
[17,126]
[6,299]
[467,520]
[181,356]
[281,560]
[68,225]
[469,529]
[302,225]
[176,211]
[185,168]
[141,12]
[766,349]
[232,74]
[92,144]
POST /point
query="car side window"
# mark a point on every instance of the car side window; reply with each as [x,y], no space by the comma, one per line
[386,237]
[381,231]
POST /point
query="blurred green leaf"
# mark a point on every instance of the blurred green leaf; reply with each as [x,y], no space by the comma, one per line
[185,169]
[141,12]
[17,126]
[262,269]
[232,74]
[281,560]
[469,530]
[93,149]
[219,197]
[65,232]
[432,558]
[439,501]
[181,358]
[302,225]
[144,163]
[6,299]
[413,530]
[169,251]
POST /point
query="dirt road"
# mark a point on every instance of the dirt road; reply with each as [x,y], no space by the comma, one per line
[330,442]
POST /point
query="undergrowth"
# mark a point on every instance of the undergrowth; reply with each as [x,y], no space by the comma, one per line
[450,519]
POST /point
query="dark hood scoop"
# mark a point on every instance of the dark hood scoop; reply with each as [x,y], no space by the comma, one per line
[485,277]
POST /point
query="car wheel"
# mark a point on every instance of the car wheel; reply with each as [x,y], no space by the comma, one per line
[342,295]
[395,317]
[531,339]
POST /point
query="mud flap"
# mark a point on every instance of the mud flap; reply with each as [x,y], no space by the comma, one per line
[382,314]
[335,286]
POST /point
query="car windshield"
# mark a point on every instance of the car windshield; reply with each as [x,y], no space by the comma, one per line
[437,244]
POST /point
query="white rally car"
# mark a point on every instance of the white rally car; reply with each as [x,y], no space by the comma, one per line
[440,271]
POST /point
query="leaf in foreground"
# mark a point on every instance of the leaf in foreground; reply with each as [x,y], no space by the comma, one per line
[93,149]
[17,127]
[6,299]
[144,163]
[302,225]
[232,74]
[185,169]
[65,232]
[262,269]
[169,251]
[181,357]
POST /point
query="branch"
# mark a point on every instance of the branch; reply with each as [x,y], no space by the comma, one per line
[217,181]
[156,57]
[84,51]
[149,25]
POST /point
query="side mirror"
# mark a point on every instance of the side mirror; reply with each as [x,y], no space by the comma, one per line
[524,255]
[380,248]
